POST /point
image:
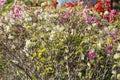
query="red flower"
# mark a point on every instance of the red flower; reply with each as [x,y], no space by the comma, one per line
[108,3]
[101,6]
[54,3]
[108,49]
[70,4]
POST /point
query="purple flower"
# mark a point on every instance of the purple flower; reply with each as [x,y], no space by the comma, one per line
[108,49]
[86,11]
[90,18]
[113,36]
[91,54]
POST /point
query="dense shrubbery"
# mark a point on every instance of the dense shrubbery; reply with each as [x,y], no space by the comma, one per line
[44,43]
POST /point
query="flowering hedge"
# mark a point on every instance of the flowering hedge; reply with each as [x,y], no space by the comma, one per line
[49,43]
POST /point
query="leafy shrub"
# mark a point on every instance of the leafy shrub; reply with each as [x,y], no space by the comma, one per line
[60,44]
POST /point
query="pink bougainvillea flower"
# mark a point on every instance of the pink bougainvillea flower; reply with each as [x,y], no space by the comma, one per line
[113,12]
[113,36]
[111,16]
[17,14]
[86,11]
[108,0]
[91,55]
[31,8]
[17,11]
[2,2]
[90,18]
[82,2]
[65,17]
[108,49]
[37,12]
[106,16]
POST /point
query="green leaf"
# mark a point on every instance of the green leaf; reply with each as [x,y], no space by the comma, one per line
[9,1]
[40,52]
[33,77]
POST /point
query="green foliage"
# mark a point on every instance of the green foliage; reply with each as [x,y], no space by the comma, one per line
[9,1]
[1,66]
[41,47]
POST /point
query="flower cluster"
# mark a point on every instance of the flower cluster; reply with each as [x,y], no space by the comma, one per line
[2,2]
[102,6]
[91,55]
[66,43]
[17,11]
[38,11]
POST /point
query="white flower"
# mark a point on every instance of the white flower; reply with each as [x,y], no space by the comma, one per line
[47,28]
[10,36]
[91,12]
[94,24]
[89,65]
[7,28]
[14,61]
[52,35]
[46,17]
[26,15]
[29,44]
[28,19]
[40,17]
[59,28]
[82,56]
[106,12]
[12,21]
[34,24]
[53,15]
[43,4]
[117,56]
[13,47]
[114,72]
[100,32]
[89,28]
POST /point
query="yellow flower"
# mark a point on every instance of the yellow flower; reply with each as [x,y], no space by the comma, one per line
[28,27]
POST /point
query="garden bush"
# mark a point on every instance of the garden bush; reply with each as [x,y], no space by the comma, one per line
[69,43]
